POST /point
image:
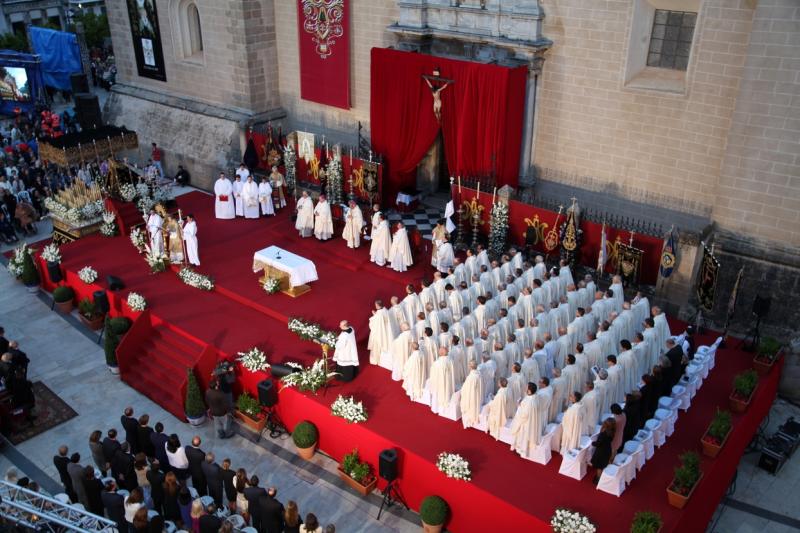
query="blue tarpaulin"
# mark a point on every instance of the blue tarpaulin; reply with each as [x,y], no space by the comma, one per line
[59,53]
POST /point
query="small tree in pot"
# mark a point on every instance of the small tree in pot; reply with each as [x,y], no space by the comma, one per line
[63,296]
[305,437]
[115,328]
[89,315]
[30,275]
[716,434]
[646,522]
[687,476]
[433,511]
[744,385]
[194,407]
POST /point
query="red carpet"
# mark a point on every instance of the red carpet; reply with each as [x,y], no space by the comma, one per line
[507,492]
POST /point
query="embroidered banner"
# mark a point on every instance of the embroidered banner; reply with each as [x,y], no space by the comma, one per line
[146,34]
[324,42]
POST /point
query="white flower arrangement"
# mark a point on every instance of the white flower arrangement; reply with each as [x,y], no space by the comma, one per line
[136,302]
[109,226]
[87,275]
[157,261]
[92,210]
[162,195]
[454,466]
[566,521]
[128,192]
[272,285]
[89,212]
[142,190]
[347,408]
[17,261]
[311,332]
[51,253]
[145,204]
[498,229]
[308,379]
[255,360]
[195,279]
[139,239]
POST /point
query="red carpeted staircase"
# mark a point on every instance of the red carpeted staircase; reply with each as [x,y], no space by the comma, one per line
[128,215]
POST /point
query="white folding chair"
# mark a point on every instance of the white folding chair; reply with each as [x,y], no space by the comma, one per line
[452,411]
[625,463]
[249,529]
[169,526]
[668,402]
[483,420]
[646,439]
[206,501]
[656,428]
[62,497]
[667,422]
[612,480]
[237,521]
[681,394]
[555,441]
[574,461]
[636,451]
[151,513]
[543,452]
[505,433]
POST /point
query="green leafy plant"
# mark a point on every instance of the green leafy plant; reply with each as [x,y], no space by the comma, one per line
[194,406]
[719,427]
[687,474]
[744,384]
[433,510]
[305,434]
[87,308]
[114,329]
[646,522]
[63,294]
[30,275]
[248,405]
[768,349]
[353,466]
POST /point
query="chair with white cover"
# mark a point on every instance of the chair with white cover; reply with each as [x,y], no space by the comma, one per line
[482,424]
[62,497]
[574,461]
[248,529]
[505,433]
[668,402]
[151,513]
[667,423]
[555,441]
[78,506]
[646,439]
[543,452]
[656,427]
[453,409]
[681,394]
[193,493]
[425,399]
[386,361]
[695,377]
[690,382]
[625,463]
[124,493]
[206,501]
[169,526]
[636,450]
[612,480]
[237,521]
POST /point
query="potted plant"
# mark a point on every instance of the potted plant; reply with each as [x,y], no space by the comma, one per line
[433,512]
[357,473]
[716,434]
[89,315]
[248,411]
[687,477]
[744,386]
[30,275]
[768,352]
[646,522]
[63,296]
[305,437]
[194,407]
[52,257]
[115,328]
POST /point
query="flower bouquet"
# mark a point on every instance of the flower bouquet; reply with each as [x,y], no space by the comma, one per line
[87,275]
[195,279]
[311,332]
[127,192]
[51,253]
[453,466]
[272,285]
[254,360]
[308,379]
[17,262]
[139,239]
[349,409]
[136,302]
[157,261]
[567,521]
[109,226]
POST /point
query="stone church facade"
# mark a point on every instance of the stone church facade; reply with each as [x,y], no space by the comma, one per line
[682,112]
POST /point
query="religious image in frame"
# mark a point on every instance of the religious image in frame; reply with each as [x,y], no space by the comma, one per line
[146,34]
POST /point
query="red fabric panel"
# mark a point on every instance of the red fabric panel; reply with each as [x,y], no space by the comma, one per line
[324,61]
[260,142]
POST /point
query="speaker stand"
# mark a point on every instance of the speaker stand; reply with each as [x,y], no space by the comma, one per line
[753,338]
[274,425]
[391,495]
[100,337]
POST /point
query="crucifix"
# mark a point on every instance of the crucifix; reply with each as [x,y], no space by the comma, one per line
[437,84]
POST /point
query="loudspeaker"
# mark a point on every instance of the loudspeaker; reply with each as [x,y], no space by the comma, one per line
[87,109]
[761,306]
[101,301]
[54,272]
[278,370]
[79,83]
[114,283]
[387,464]
[267,395]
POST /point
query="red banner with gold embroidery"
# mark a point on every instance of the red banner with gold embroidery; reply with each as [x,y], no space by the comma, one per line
[324,42]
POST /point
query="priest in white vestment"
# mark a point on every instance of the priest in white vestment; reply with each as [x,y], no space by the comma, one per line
[627,363]
[400,349]
[250,198]
[377,216]
[442,382]
[445,256]
[354,221]
[223,198]
[380,333]
[517,383]
[415,373]
[154,228]
[305,215]
[591,408]
[472,396]
[619,293]
[560,394]
[381,242]
[190,238]
[498,410]
[323,221]
[530,368]
[237,195]
[616,383]
[662,327]
[345,353]
[265,197]
[459,358]
[525,438]
[573,425]
[573,375]
[488,370]
[400,251]
[602,389]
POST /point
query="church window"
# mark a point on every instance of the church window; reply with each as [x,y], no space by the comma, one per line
[671,39]
[194,30]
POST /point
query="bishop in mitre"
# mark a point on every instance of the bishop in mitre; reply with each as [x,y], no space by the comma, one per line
[442,382]
[265,197]
[381,242]
[154,227]
[380,333]
[175,243]
[498,410]
[190,238]
[415,373]
[250,198]
[346,352]
[305,215]
[400,251]
[354,221]
[223,198]
[573,425]
[471,396]
[323,221]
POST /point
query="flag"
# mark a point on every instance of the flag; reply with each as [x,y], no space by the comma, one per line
[602,257]
[734,294]
[449,211]
[668,255]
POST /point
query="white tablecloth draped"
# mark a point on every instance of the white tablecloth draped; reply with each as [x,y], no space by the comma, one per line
[300,269]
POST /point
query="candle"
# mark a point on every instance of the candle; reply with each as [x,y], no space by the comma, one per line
[494,192]
[351,157]
[459,185]
[479,190]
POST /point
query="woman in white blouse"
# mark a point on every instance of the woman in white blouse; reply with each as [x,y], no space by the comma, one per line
[176,455]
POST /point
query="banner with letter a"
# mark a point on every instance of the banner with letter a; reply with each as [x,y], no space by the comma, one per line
[324,43]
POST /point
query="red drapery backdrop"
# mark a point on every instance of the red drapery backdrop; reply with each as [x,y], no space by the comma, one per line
[323,32]
[482,112]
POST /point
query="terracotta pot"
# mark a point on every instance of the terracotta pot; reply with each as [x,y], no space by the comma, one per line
[738,405]
[64,307]
[427,528]
[254,424]
[355,485]
[199,421]
[678,500]
[712,450]
[307,453]
[763,367]
[94,324]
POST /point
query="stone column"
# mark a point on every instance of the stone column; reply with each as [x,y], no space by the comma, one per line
[526,153]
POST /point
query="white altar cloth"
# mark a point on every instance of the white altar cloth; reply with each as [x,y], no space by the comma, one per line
[300,269]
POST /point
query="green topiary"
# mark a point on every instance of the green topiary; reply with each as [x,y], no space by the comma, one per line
[745,383]
[768,348]
[433,510]
[114,329]
[30,275]
[646,522]
[305,434]
[248,405]
[120,324]
[63,294]
[688,473]
[194,406]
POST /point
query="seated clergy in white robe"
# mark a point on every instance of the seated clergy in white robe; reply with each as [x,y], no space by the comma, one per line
[381,243]
[380,333]
[445,256]
[471,396]
[265,197]
[305,215]
[400,251]
[224,207]
[526,427]
[323,222]
[250,198]
[400,349]
[442,382]
[573,425]
[237,195]
[459,358]
[415,373]
[190,238]
[498,410]
[353,222]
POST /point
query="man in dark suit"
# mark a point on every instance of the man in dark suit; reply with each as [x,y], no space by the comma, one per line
[115,506]
[122,468]
[61,461]
[3,341]
[270,512]
[110,445]
[159,440]
[156,480]
[210,522]
[212,473]
[252,494]
[131,427]
[228,476]
[196,457]
[675,356]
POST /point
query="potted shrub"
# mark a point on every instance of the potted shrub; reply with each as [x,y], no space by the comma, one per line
[89,314]
[768,352]
[30,275]
[305,437]
[744,386]
[63,295]
[716,434]
[248,411]
[433,512]
[646,522]
[194,407]
[115,328]
[357,473]
[687,477]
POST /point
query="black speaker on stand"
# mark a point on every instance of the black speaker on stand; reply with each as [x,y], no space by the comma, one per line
[761,307]
[115,283]
[87,110]
[100,299]
[387,469]
[268,397]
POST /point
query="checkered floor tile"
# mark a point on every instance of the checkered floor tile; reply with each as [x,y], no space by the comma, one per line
[423,219]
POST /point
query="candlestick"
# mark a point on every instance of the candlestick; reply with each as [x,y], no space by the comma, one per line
[459,185]
[370,156]
[494,192]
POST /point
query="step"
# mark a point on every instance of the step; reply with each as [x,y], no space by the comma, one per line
[168,398]
[165,370]
[174,338]
[162,350]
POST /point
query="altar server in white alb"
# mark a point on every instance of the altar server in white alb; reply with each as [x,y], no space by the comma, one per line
[354,221]
[223,198]
[323,221]
[345,353]
[265,197]
[400,252]
[376,221]
[445,256]
[190,238]
[154,226]
[250,198]
[381,242]
[305,215]
[237,195]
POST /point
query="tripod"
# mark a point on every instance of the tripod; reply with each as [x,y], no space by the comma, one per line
[753,338]
[391,495]
[274,425]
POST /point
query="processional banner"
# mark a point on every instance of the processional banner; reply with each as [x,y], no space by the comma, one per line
[146,34]
[324,43]
[707,279]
